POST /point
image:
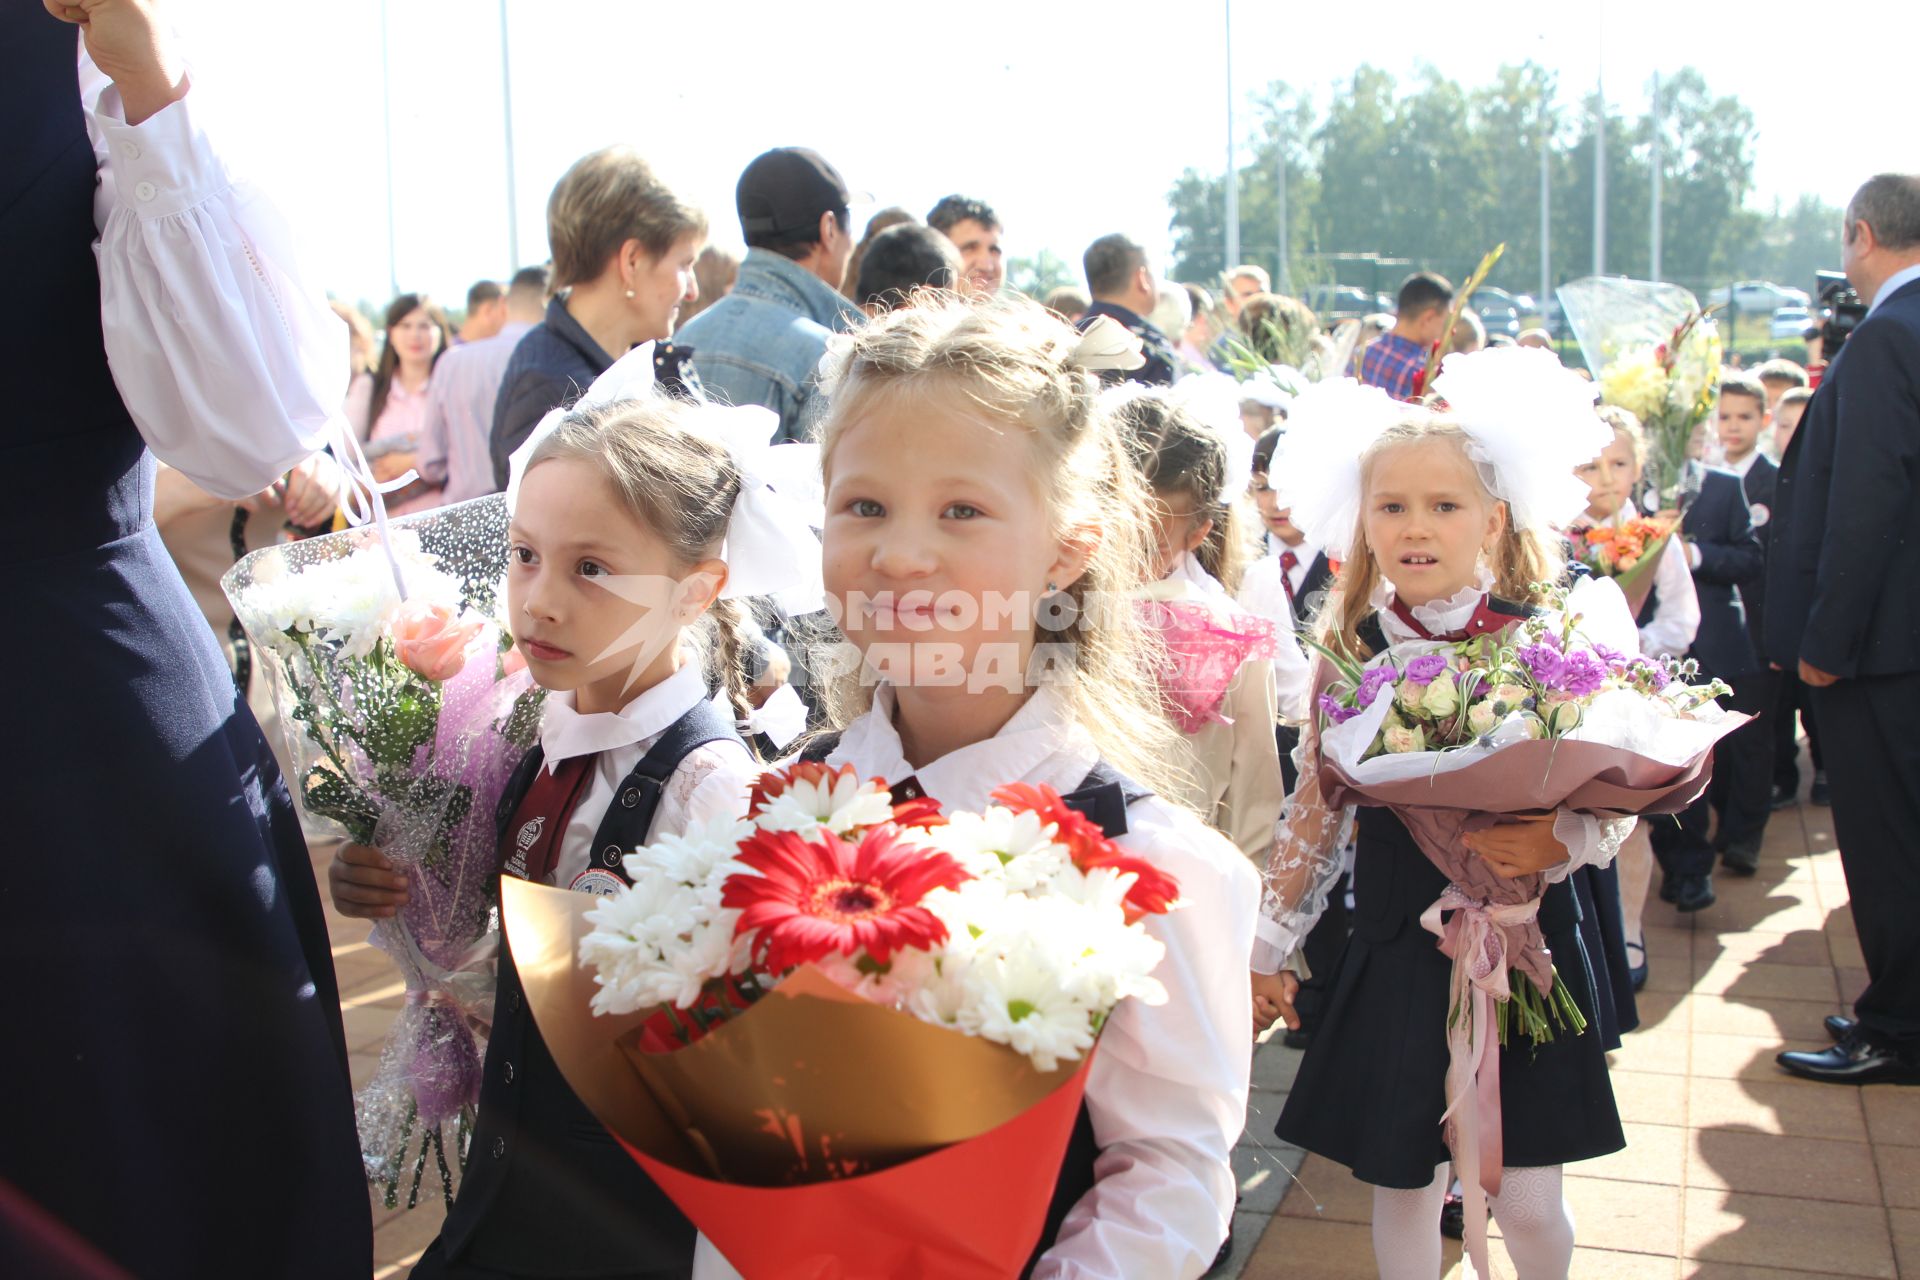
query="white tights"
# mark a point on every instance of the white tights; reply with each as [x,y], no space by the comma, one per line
[1534,1218]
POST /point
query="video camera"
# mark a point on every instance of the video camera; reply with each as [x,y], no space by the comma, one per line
[1840,310]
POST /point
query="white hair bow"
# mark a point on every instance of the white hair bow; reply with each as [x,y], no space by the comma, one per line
[771,548]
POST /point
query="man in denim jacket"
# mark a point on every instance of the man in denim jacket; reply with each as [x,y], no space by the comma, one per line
[762,343]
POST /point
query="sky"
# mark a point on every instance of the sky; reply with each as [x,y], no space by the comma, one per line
[1072,119]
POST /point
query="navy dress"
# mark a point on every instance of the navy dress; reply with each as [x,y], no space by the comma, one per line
[175,1075]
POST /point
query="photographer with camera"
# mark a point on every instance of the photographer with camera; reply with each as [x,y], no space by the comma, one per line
[1843,608]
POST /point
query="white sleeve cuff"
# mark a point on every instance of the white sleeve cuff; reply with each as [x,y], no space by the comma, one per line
[1580,833]
[163,165]
[1273,944]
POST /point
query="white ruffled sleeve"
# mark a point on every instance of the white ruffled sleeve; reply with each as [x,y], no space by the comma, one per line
[230,364]
[1304,866]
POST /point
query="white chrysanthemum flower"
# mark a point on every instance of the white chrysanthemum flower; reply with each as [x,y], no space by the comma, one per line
[653,943]
[1017,995]
[1014,848]
[840,803]
[699,856]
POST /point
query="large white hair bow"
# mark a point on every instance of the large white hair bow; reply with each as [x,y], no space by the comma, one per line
[771,548]
[1531,422]
[1316,465]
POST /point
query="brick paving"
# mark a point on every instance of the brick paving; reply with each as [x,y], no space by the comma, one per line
[1732,1168]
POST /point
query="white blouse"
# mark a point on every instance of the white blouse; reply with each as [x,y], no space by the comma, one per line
[1168,1089]
[712,782]
[1676,612]
[1263,594]
[231,364]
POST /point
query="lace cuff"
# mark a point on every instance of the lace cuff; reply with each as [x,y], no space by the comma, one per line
[1304,866]
[1590,841]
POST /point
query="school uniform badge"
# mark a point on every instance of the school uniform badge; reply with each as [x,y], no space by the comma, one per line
[1759,515]
[601,884]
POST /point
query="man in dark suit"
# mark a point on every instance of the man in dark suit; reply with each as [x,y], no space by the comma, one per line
[1843,595]
[1724,553]
[1743,762]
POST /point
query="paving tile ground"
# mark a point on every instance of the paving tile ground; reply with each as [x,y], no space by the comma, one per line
[1732,1171]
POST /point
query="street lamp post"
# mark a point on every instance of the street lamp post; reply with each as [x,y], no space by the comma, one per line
[1233,164]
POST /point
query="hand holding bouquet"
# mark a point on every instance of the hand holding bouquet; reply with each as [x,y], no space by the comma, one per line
[808,1025]
[1628,552]
[406,712]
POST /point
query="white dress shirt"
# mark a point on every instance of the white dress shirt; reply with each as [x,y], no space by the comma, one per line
[1262,593]
[710,783]
[230,364]
[1168,1089]
[1676,614]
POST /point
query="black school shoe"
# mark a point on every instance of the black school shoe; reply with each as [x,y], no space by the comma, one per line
[1743,859]
[1818,794]
[1691,893]
[1637,973]
[1784,797]
[1839,1027]
[1858,1058]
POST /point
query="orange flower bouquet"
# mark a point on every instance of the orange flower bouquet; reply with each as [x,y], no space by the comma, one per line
[1628,552]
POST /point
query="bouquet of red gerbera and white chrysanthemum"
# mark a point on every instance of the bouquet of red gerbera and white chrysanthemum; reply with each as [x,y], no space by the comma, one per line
[810,1024]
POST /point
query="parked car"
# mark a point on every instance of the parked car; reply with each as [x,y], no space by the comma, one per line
[1499,310]
[1790,323]
[1332,302]
[1757,296]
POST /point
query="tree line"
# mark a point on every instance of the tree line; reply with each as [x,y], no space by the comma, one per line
[1431,174]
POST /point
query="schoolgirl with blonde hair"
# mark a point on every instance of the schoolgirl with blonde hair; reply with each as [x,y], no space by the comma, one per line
[983,530]
[1442,522]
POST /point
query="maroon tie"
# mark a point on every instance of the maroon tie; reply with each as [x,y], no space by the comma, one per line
[532,842]
[1486,620]
[1288,563]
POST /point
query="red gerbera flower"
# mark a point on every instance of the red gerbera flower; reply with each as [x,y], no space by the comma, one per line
[922,813]
[819,897]
[1153,891]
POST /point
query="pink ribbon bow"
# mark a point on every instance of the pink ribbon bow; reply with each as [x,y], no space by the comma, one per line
[1474,937]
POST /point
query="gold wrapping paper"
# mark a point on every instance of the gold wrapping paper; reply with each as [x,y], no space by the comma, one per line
[812,1083]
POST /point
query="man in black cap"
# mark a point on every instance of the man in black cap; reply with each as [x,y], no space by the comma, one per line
[762,343]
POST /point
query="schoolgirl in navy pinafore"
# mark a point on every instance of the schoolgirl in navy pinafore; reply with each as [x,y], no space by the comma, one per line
[1372,1087]
[548,1191]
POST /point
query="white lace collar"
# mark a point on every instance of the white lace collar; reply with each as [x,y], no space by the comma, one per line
[1439,617]
[1041,743]
[566,733]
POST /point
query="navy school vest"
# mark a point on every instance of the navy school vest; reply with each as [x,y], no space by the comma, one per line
[548,1191]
